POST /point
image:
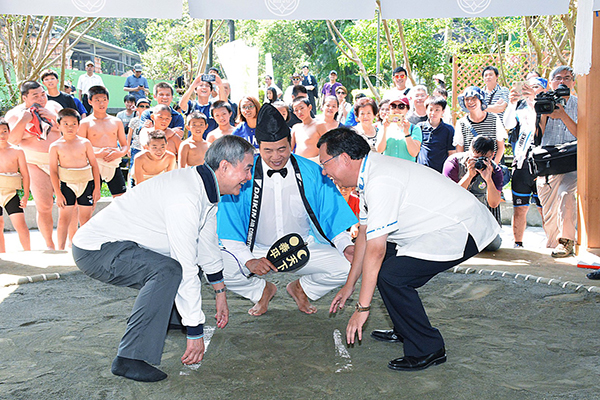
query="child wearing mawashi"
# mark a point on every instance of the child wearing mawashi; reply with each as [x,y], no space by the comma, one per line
[107,135]
[13,175]
[74,174]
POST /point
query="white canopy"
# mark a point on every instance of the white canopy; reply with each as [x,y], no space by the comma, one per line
[287,9]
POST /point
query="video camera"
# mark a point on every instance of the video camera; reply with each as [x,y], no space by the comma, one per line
[546,102]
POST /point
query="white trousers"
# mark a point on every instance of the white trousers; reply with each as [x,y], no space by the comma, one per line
[559,206]
[326,270]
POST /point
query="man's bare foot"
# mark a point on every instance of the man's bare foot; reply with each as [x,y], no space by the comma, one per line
[263,304]
[295,290]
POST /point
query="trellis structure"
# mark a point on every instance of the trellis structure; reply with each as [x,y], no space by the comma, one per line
[466,71]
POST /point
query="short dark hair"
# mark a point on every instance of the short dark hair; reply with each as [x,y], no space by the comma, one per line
[399,69]
[98,89]
[47,73]
[482,144]
[220,104]
[365,102]
[4,122]
[436,101]
[129,97]
[441,91]
[196,115]
[304,100]
[27,86]
[68,112]
[156,135]
[163,85]
[161,107]
[230,148]
[298,89]
[215,69]
[345,140]
[490,68]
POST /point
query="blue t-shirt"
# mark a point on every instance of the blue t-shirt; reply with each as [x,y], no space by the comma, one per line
[245,132]
[351,119]
[133,82]
[205,109]
[435,144]
[176,118]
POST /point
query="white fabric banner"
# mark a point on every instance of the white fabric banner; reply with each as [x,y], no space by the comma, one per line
[171,9]
[283,9]
[393,9]
[582,59]
[240,63]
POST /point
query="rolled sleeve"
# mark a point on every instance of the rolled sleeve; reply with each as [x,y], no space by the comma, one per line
[182,221]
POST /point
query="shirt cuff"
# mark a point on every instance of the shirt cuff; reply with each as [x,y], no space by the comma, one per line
[341,241]
[215,278]
[195,330]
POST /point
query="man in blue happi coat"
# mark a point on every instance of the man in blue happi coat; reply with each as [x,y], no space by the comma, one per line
[287,194]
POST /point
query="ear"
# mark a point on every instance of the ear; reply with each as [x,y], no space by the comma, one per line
[224,165]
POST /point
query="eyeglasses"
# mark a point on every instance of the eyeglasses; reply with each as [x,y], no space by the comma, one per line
[248,107]
[567,78]
[326,161]
[340,92]
[143,106]
[400,106]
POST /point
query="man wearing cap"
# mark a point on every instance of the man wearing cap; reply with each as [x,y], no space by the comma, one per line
[310,83]
[136,84]
[478,122]
[85,82]
[287,95]
[287,194]
[330,87]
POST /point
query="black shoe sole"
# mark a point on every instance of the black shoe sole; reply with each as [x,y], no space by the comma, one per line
[437,361]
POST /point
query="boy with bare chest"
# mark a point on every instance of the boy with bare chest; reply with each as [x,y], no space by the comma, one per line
[192,150]
[306,134]
[74,174]
[14,175]
[107,136]
[161,118]
[155,159]
[221,112]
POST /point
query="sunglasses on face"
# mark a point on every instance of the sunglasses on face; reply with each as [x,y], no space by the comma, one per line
[340,92]
[143,106]
[400,106]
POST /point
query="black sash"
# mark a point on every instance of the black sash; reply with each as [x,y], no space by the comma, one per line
[257,197]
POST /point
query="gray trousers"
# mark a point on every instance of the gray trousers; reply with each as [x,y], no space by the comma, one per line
[156,276]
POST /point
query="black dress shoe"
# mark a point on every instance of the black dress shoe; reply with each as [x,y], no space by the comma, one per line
[386,336]
[594,275]
[410,363]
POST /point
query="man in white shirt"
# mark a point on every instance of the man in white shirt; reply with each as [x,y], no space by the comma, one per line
[85,82]
[155,238]
[414,224]
[288,194]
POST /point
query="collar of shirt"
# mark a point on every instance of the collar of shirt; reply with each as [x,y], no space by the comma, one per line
[287,165]
[362,175]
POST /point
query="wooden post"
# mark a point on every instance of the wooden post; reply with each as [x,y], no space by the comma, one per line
[454,88]
[588,151]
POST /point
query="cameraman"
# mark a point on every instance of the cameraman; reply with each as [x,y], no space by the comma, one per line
[557,192]
[520,114]
[475,171]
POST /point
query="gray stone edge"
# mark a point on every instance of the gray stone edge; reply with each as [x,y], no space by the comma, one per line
[527,277]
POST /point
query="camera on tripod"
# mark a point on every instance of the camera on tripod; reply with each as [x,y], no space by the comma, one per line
[546,102]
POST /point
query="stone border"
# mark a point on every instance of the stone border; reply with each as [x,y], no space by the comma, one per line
[537,279]
[32,279]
